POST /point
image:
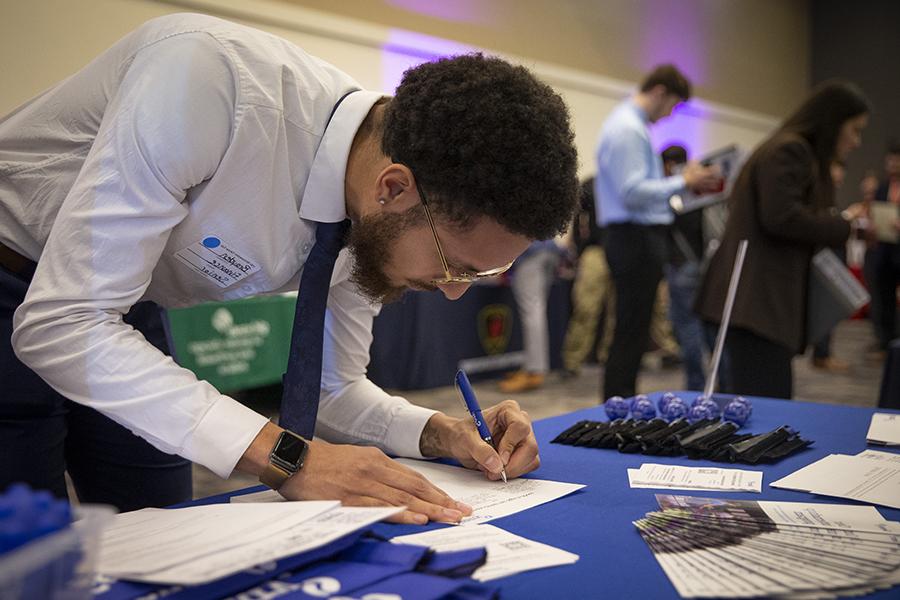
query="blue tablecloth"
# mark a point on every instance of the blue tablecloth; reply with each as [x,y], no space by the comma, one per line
[595,522]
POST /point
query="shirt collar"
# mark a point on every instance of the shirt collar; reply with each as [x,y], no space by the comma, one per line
[323,199]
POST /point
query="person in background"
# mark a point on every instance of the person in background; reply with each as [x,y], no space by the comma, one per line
[783,203]
[593,294]
[683,275]
[821,354]
[867,188]
[886,257]
[532,277]
[592,291]
[633,205]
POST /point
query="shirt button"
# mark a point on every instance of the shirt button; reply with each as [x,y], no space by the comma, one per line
[306,247]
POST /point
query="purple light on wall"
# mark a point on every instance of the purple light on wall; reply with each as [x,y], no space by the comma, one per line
[404,49]
[685,127]
[674,35]
[677,36]
[476,12]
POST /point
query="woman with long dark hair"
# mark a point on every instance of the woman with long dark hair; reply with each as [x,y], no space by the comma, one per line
[783,202]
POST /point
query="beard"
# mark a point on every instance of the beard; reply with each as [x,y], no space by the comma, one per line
[370,242]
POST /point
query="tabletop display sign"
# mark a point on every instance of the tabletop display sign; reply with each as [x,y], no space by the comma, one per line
[235,345]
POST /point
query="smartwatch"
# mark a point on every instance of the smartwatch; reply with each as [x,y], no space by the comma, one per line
[285,459]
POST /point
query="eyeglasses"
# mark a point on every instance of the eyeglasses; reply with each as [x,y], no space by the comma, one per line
[448,277]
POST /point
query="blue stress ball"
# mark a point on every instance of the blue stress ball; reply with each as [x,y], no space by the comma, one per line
[616,407]
[633,400]
[642,409]
[698,399]
[714,411]
[736,412]
[703,410]
[664,401]
[746,403]
[675,409]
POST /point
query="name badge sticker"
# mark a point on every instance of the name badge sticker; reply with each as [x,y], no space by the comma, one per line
[219,263]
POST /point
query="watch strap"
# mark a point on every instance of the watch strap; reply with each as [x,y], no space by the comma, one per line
[274,476]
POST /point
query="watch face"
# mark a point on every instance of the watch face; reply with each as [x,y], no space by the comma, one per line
[290,448]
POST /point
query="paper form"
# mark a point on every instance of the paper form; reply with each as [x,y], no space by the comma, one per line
[677,477]
[489,499]
[507,553]
[196,545]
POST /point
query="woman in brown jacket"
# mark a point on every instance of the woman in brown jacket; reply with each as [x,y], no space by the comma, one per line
[783,203]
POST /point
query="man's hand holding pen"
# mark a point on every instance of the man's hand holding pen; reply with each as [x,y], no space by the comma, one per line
[516,447]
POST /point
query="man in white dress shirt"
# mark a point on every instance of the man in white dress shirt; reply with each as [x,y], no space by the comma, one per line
[192,128]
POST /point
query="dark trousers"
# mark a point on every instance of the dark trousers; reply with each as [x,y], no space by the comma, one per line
[636,255]
[43,435]
[886,258]
[757,366]
[822,348]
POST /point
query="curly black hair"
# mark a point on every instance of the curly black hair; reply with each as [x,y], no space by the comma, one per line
[484,137]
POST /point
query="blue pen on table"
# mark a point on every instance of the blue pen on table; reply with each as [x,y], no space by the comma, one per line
[465,388]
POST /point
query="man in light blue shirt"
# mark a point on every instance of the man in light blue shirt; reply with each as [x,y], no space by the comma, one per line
[632,198]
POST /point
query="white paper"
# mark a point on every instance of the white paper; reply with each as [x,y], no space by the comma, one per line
[151,539]
[677,477]
[891,457]
[870,476]
[489,499]
[263,496]
[196,545]
[507,553]
[884,429]
[877,482]
[831,516]
[806,478]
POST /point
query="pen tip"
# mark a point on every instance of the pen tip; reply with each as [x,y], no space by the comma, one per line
[503,475]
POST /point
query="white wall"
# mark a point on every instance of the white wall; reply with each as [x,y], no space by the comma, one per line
[43,41]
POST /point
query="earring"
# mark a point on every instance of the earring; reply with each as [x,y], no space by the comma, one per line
[381,201]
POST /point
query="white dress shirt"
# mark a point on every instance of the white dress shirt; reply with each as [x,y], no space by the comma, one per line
[630,186]
[189,128]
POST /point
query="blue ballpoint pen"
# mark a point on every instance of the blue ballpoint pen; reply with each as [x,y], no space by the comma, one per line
[465,388]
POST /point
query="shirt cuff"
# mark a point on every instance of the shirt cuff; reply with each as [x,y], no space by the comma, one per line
[405,430]
[223,435]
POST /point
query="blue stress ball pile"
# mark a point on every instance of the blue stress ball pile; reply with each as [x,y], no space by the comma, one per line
[671,407]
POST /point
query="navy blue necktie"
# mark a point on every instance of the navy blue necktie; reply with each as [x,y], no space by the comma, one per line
[303,379]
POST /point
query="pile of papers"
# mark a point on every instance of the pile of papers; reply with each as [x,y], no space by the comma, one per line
[676,477]
[741,549]
[507,553]
[884,429]
[199,544]
[869,476]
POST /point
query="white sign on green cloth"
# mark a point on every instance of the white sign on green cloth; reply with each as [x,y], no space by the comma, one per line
[235,345]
